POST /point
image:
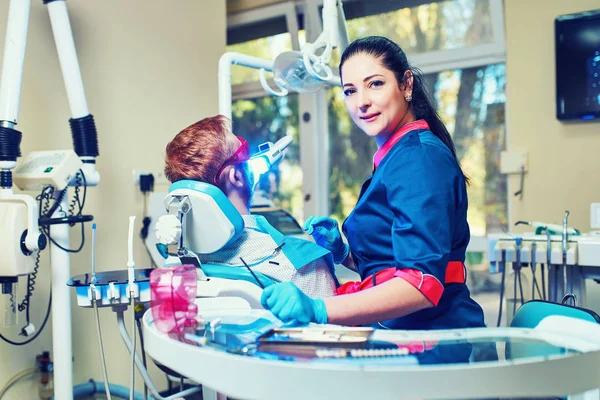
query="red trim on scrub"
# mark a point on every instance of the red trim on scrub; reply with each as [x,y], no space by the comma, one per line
[383,150]
[427,284]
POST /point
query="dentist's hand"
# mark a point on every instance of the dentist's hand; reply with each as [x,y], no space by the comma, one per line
[290,304]
[327,234]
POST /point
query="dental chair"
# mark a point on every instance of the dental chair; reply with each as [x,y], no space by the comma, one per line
[551,316]
[202,220]
[532,313]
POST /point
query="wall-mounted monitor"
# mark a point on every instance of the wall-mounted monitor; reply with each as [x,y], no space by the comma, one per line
[577,38]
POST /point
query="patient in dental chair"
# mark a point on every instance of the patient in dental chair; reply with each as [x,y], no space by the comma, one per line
[209,152]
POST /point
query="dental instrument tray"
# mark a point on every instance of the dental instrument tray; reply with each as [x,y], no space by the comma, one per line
[111,287]
[347,337]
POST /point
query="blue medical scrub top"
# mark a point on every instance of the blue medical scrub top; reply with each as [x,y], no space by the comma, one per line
[412,213]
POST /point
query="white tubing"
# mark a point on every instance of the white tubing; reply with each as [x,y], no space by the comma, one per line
[225,62]
[67,55]
[61,308]
[130,262]
[14,56]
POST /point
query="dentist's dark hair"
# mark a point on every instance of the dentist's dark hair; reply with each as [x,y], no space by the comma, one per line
[393,58]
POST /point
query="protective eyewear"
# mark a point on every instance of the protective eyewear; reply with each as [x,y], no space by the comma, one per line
[241,155]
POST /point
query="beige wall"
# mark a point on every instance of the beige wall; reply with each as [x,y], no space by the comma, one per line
[149,70]
[563,158]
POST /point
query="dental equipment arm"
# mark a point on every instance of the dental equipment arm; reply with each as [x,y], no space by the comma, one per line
[542,226]
[334,35]
[18,228]
[21,208]
[308,71]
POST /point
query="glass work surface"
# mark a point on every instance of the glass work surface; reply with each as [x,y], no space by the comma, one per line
[256,333]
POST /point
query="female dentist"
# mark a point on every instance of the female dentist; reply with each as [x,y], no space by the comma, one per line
[408,233]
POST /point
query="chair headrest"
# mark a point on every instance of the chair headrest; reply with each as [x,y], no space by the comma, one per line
[212,222]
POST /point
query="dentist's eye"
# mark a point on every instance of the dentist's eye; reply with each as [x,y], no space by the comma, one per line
[375,83]
[349,91]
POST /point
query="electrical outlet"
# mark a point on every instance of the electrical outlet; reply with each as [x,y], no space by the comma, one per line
[159,177]
[511,162]
[595,215]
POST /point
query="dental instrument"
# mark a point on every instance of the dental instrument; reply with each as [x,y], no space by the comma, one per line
[541,227]
[268,154]
[568,259]
[253,274]
[95,295]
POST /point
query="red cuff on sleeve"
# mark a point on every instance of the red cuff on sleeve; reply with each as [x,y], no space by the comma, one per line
[427,284]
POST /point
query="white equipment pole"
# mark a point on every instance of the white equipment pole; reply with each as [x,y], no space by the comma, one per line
[14,57]
[67,55]
[225,62]
[61,270]
[61,307]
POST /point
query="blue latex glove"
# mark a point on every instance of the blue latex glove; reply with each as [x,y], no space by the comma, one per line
[290,304]
[327,234]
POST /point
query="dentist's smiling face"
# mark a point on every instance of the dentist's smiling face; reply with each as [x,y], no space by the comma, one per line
[375,99]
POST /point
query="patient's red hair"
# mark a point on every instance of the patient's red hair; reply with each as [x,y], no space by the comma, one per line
[198,151]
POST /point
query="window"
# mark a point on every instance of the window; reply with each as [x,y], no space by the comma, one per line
[459,46]
[435,26]
[265,119]
[260,118]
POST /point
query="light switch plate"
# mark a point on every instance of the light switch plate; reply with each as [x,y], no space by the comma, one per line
[595,215]
[511,162]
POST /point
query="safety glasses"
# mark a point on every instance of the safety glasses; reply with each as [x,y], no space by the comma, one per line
[242,154]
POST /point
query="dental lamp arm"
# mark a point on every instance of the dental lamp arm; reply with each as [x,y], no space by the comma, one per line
[83,127]
[334,25]
[263,82]
[10,138]
[334,35]
[343,36]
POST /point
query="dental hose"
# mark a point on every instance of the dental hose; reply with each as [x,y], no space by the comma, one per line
[133,350]
[501,293]
[521,288]
[514,294]
[102,357]
[131,276]
[95,302]
[543,267]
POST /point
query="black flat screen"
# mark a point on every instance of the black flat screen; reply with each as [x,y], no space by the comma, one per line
[578,66]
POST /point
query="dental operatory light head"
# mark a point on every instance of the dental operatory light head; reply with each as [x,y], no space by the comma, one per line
[268,154]
[308,70]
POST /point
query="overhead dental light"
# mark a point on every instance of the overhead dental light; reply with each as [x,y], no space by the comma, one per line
[308,70]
